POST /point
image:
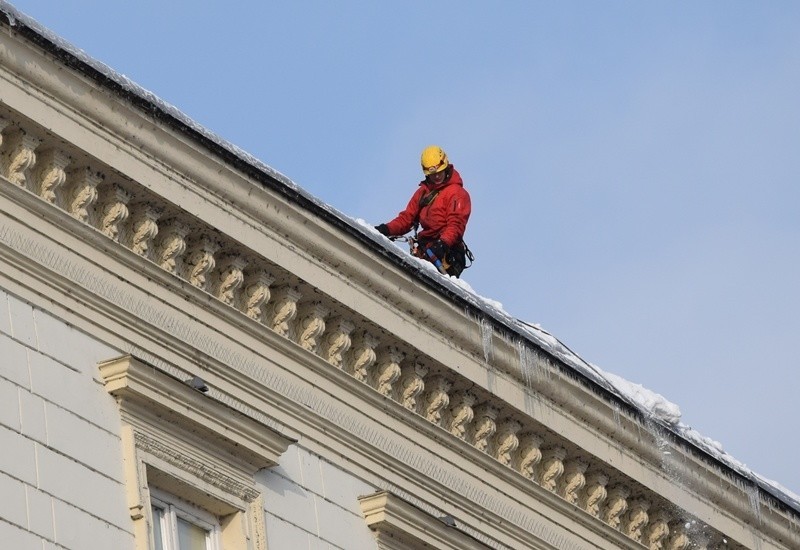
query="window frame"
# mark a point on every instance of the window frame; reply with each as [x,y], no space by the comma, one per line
[175,508]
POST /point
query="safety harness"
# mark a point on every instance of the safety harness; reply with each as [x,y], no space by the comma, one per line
[413,242]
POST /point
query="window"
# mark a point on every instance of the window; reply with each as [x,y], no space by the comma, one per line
[190,462]
[178,525]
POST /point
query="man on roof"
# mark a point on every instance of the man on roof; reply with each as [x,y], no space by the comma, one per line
[441,207]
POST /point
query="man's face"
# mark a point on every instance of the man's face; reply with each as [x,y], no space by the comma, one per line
[437,177]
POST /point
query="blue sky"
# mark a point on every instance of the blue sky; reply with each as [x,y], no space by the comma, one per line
[633,165]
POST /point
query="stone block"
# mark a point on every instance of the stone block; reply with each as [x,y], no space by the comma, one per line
[18,456]
[343,488]
[73,391]
[15,361]
[316,543]
[23,328]
[289,465]
[5,314]
[94,447]
[281,534]
[32,416]
[90,491]
[12,503]
[9,405]
[74,348]
[289,501]
[78,530]
[311,472]
[342,528]
[13,537]
[40,512]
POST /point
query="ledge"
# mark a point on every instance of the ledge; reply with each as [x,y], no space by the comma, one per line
[145,393]
[399,525]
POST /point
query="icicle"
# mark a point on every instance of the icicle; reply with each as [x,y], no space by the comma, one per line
[526,363]
[617,417]
[755,500]
[486,334]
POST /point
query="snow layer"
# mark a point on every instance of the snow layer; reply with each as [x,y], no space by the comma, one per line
[651,404]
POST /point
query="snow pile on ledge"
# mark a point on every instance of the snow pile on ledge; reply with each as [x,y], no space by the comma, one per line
[646,400]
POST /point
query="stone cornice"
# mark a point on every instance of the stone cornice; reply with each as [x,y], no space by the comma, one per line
[400,525]
[322,420]
[143,392]
[292,403]
[212,248]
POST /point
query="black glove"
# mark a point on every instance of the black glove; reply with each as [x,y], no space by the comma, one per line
[438,248]
[383,229]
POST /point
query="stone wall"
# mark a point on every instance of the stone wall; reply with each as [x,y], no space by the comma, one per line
[60,466]
[312,503]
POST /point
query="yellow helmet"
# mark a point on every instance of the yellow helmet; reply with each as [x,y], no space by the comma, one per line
[433,160]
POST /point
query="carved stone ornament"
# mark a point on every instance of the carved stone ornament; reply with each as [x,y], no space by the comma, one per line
[657,530]
[113,204]
[506,441]
[143,229]
[337,341]
[387,370]
[437,398]
[195,467]
[551,467]
[362,356]
[311,325]
[229,278]
[616,505]
[81,193]
[411,384]
[201,261]
[573,480]
[284,310]
[51,173]
[637,518]
[678,538]
[256,293]
[483,426]
[171,246]
[528,455]
[19,156]
[461,413]
[594,493]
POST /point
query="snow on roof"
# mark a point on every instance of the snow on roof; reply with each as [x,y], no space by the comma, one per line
[652,405]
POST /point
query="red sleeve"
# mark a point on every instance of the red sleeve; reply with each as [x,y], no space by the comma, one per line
[459,207]
[405,219]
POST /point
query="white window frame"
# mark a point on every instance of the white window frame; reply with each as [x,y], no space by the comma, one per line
[175,508]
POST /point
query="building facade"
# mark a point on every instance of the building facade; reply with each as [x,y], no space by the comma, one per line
[196,354]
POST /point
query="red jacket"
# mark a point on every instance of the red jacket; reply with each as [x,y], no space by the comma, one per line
[445,217]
